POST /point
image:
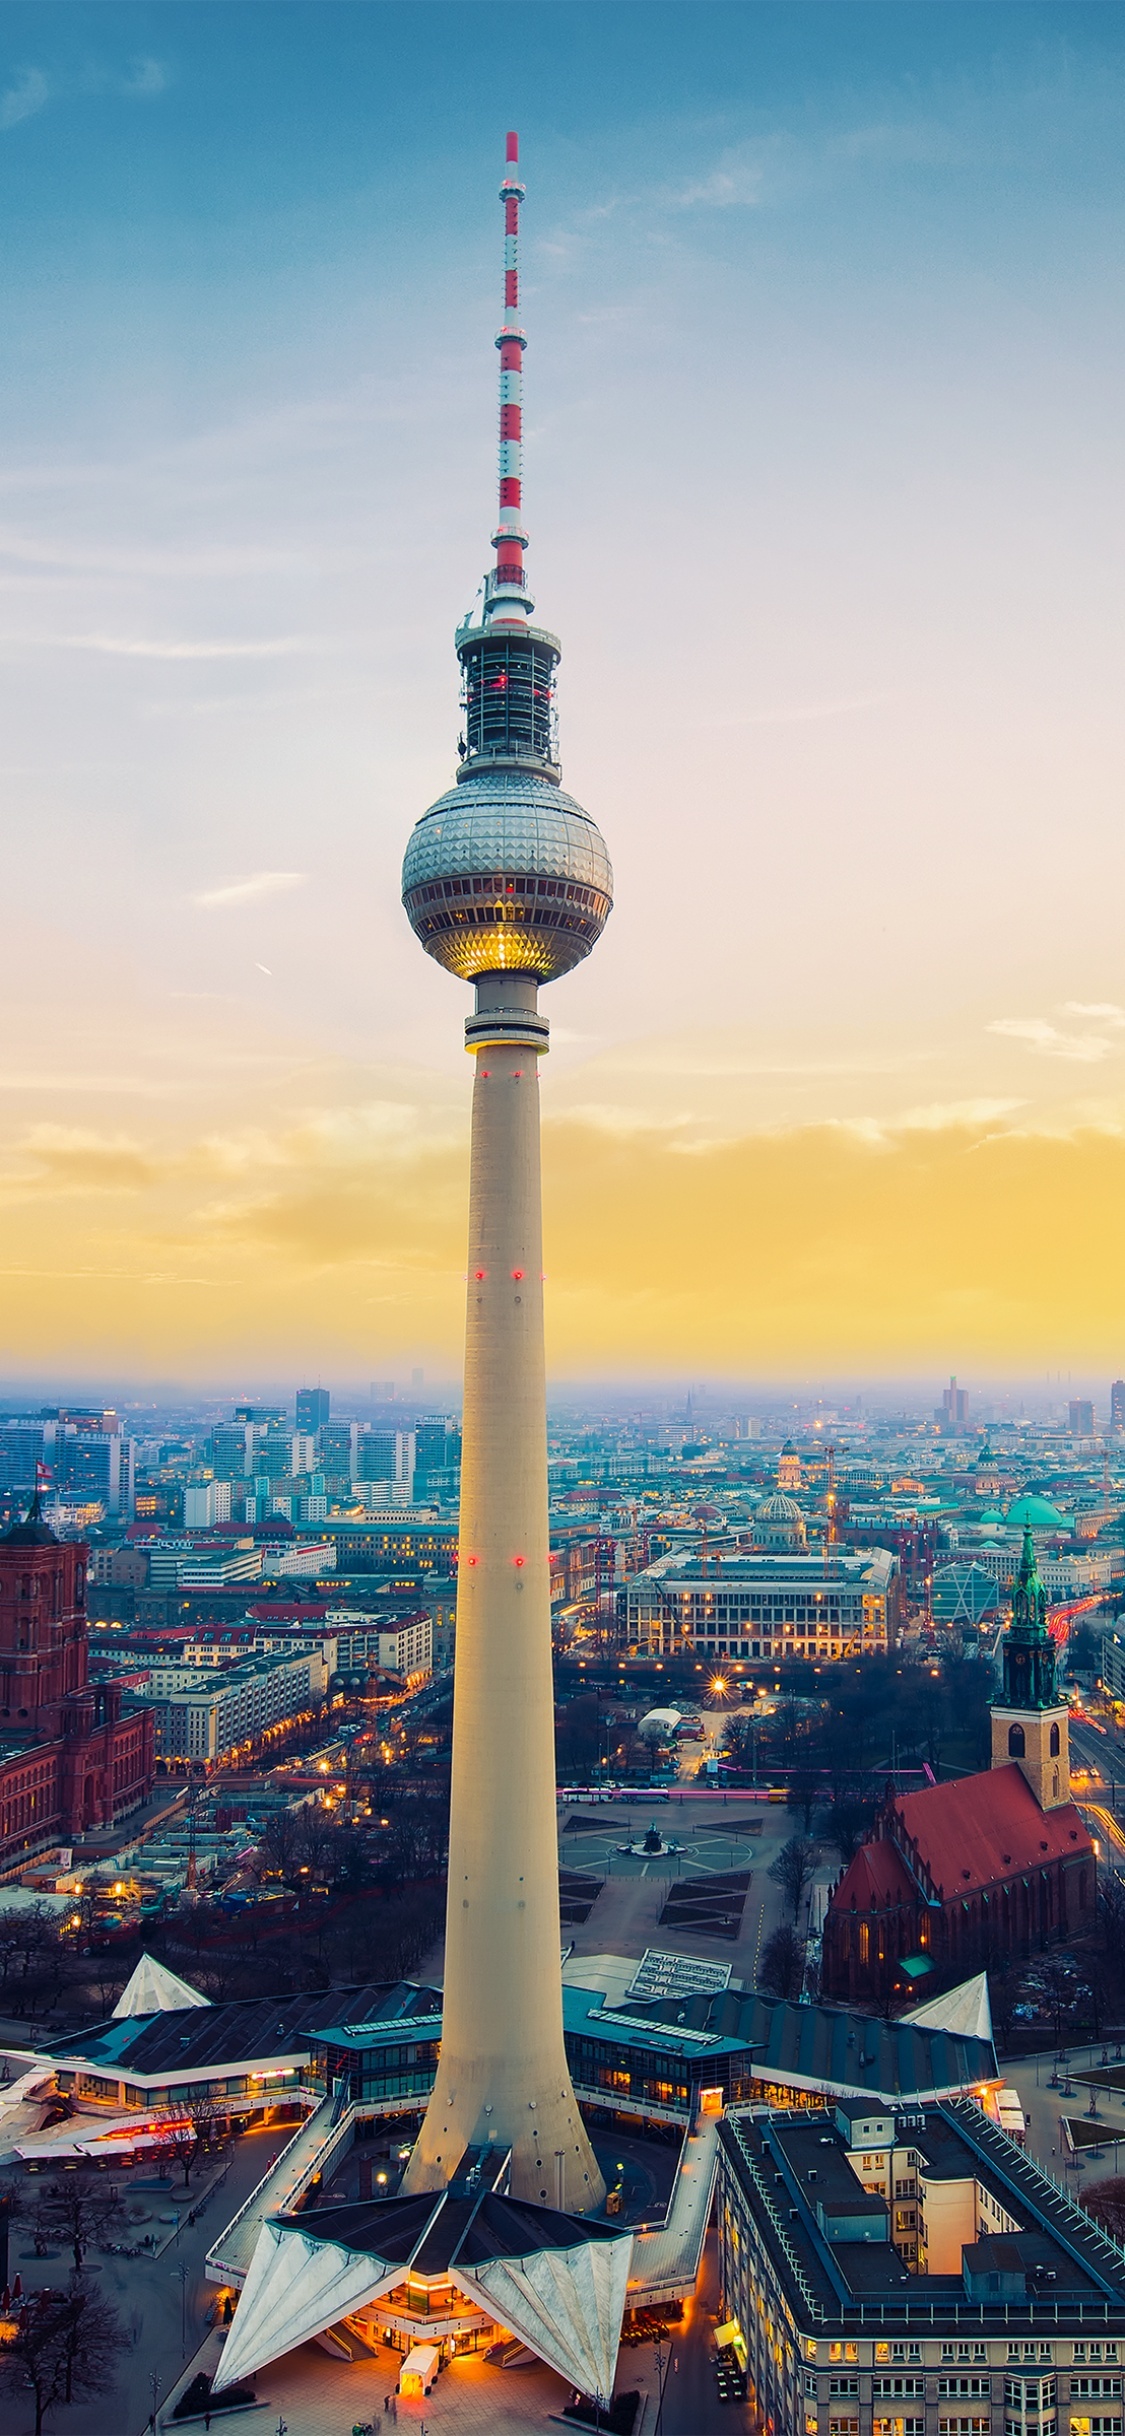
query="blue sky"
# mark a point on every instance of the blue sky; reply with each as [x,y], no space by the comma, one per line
[823,481]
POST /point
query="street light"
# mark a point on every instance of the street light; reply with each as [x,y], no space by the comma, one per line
[182,2272]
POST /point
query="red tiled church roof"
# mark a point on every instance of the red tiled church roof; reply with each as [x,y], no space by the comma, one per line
[875,1877]
[983,1829]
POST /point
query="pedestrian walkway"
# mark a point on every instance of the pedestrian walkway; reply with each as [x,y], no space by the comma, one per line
[317,2395]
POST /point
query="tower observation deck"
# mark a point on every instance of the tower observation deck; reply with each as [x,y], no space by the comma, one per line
[506,873]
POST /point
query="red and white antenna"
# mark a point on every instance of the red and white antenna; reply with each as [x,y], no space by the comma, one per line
[506,597]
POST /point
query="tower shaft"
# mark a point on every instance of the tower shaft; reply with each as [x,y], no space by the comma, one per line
[502,2075]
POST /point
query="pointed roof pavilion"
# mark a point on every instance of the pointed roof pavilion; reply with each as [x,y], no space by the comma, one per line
[964,2011]
[557,2281]
[154,1989]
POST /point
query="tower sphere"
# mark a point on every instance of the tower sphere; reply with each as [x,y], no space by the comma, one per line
[507,874]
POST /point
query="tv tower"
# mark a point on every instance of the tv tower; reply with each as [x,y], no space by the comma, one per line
[507,883]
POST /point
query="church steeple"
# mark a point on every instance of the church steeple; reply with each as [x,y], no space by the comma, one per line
[1030,1720]
[1029,1651]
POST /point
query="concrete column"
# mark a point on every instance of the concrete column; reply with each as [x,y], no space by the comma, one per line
[502,2075]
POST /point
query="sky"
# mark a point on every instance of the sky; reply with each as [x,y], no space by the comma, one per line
[823,479]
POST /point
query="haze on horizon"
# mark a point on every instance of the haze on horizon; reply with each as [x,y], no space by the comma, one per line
[824,495]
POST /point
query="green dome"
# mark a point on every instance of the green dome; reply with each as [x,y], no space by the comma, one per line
[1039,1512]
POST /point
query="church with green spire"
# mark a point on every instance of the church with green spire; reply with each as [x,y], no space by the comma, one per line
[1030,1720]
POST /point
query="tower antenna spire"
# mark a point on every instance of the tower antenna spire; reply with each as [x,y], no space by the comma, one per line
[506,597]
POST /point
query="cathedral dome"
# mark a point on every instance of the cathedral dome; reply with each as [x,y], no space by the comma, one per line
[779,1508]
[779,1523]
[1038,1511]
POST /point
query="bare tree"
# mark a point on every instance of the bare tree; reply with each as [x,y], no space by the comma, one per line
[279,1848]
[805,1788]
[794,1869]
[33,1958]
[1061,1988]
[739,1742]
[655,1739]
[846,1825]
[92,2337]
[1106,2201]
[78,2211]
[63,2349]
[781,1971]
[192,2131]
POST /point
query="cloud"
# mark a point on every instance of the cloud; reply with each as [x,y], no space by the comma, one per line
[122,647]
[766,170]
[30,90]
[258,884]
[29,94]
[736,181]
[1083,1048]
[78,1161]
[609,1117]
[1102,1012]
[942,1115]
[146,78]
[340,1239]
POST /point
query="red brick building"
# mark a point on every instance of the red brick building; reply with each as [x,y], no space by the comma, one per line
[70,1760]
[981,1871]
[957,1877]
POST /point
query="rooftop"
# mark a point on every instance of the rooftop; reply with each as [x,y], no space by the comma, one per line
[218,2035]
[979,1829]
[814,2046]
[1070,2273]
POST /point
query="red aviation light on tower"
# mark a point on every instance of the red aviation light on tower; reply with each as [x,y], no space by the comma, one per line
[507,602]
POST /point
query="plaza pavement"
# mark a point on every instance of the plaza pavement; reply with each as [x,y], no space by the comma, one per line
[315,2395]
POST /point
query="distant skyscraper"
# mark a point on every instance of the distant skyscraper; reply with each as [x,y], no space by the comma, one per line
[340,1450]
[507,884]
[953,1411]
[1117,1404]
[313,1407]
[1081,1422]
[231,1447]
[385,1454]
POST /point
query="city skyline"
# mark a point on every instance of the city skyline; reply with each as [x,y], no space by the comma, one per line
[825,298]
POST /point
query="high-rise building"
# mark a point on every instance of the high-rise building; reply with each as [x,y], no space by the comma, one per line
[1081,1417]
[206,1502]
[385,1454]
[314,1405]
[437,1458]
[230,1448]
[507,884]
[953,1412]
[1117,1405]
[273,1450]
[92,1465]
[339,1451]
